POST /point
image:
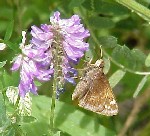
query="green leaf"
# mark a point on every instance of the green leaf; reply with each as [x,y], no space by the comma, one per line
[4,121]
[139,56]
[116,51]
[101,22]
[12,46]
[67,119]
[75,122]
[116,77]
[110,8]
[26,119]
[140,86]
[3,24]
[75,3]
[125,51]
[3,116]
[93,51]
[37,83]
[123,55]
[108,41]
[147,61]
[2,64]
[10,131]
[57,133]
[11,79]
[9,31]
[88,55]
[107,65]
[18,130]
[6,13]
[107,8]
[145,131]
[87,5]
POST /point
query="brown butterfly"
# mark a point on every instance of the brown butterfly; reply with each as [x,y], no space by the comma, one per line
[94,93]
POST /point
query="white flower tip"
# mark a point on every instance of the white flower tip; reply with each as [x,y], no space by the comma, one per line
[23,33]
[23,40]
[25,105]
[12,94]
[2,46]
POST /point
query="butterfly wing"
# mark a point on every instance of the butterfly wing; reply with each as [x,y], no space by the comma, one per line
[80,90]
[97,96]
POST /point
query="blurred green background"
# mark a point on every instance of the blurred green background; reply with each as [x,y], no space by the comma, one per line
[125,40]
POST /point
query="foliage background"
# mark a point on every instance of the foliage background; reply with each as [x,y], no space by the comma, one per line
[124,34]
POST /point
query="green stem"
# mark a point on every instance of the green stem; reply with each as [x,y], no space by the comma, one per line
[93,36]
[3,84]
[2,103]
[136,7]
[53,104]
[115,62]
[53,101]
[53,108]
[19,15]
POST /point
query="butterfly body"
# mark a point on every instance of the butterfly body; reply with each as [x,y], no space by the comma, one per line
[94,93]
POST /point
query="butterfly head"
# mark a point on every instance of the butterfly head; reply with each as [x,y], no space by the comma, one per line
[99,63]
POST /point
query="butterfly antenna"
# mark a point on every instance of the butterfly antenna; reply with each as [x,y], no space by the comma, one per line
[90,62]
[101,52]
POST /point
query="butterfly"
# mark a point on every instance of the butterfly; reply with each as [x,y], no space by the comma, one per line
[93,92]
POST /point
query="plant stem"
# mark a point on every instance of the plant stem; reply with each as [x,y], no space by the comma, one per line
[53,101]
[106,54]
[139,103]
[53,108]
[19,15]
[2,102]
[3,84]
[115,62]
[137,8]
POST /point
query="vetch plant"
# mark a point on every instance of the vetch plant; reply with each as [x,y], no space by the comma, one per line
[53,51]
[32,64]
[46,62]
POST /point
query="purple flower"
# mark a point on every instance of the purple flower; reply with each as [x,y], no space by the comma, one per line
[73,34]
[59,45]
[68,34]
[31,66]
